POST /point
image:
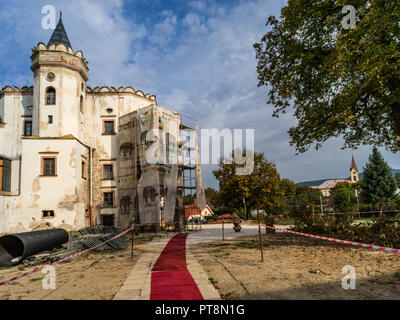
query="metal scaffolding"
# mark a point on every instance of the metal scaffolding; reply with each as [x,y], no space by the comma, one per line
[187,168]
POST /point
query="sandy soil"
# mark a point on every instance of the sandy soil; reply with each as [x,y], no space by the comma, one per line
[96,276]
[297,268]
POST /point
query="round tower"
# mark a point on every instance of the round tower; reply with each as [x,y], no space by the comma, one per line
[60,76]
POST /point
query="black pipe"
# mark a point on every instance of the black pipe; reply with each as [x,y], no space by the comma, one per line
[14,248]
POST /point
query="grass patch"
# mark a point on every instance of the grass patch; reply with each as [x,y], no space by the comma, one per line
[219,245]
[212,280]
[249,245]
[5,267]
[57,250]
[21,268]
[284,221]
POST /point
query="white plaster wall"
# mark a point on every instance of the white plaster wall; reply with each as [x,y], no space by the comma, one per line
[10,134]
[2,107]
[60,193]
[66,111]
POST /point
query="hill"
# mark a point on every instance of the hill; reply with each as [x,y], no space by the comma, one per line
[318,182]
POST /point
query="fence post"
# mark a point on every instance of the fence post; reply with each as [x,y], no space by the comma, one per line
[259,233]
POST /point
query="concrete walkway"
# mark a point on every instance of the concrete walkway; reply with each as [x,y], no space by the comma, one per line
[137,285]
[213,232]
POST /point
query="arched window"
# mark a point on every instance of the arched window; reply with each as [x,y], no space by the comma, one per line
[50,95]
[81,104]
[125,204]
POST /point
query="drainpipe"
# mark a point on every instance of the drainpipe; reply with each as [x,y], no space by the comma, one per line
[90,187]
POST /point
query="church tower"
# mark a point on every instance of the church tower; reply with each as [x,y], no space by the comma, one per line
[60,76]
[354,171]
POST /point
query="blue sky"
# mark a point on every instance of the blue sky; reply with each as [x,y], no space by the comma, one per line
[195,56]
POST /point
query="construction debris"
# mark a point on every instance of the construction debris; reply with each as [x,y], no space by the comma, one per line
[81,240]
[14,248]
[47,257]
[92,236]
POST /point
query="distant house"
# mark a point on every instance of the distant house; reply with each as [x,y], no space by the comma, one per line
[207,211]
[327,185]
[193,211]
[253,213]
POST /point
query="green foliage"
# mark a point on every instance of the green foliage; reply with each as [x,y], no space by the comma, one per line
[240,212]
[378,185]
[340,82]
[189,199]
[307,196]
[345,199]
[288,188]
[214,217]
[398,179]
[213,195]
[382,230]
[262,187]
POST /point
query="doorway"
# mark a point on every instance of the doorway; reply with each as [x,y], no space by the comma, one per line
[107,220]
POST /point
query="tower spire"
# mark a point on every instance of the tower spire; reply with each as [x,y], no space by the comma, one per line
[353,163]
[59,35]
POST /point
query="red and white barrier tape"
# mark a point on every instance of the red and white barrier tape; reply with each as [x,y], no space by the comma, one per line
[64,259]
[357,244]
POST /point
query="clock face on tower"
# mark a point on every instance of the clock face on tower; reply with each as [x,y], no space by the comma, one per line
[50,76]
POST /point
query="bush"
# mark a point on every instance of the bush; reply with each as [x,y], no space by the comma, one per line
[381,230]
[214,217]
[240,213]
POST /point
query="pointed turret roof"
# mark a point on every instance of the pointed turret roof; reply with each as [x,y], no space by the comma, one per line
[59,35]
[353,164]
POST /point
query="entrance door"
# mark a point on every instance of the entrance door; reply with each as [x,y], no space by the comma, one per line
[108,220]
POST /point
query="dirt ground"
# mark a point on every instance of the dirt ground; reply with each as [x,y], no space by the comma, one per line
[296,267]
[95,276]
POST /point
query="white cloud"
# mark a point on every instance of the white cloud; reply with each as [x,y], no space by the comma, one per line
[200,63]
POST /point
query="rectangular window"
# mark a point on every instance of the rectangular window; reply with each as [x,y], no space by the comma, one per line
[109,127]
[47,213]
[108,171]
[5,175]
[28,128]
[50,119]
[108,199]
[83,169]
[48,166]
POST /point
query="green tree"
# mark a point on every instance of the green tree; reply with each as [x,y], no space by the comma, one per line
[307,196]
[398,179]
[344,195]
[213,196]
[378,185]
[288,188]
[340,82]
[261,187]
[189,199]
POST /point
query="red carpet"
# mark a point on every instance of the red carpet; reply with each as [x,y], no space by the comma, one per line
[170,279]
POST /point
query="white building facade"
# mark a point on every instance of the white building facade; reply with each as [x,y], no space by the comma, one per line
[58,144]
